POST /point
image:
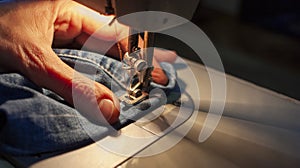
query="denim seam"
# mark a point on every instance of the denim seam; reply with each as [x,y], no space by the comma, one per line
[93,61]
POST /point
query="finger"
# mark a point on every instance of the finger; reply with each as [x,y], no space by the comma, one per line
[162,55]
[158,75]
[93,100]
[97,45]
[93,23]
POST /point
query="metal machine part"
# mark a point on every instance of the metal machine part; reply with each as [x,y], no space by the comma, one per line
[139,64]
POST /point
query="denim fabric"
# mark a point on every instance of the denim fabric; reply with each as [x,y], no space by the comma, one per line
[34,120]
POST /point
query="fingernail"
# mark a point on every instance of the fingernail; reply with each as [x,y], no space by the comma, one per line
[107,108]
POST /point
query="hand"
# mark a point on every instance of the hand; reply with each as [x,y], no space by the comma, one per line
[27,30]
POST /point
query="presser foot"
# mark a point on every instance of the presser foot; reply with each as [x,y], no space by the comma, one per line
[133,100]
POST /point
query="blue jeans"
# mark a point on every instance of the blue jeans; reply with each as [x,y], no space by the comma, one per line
[34,120]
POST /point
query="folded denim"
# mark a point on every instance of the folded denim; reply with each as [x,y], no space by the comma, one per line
[34,120]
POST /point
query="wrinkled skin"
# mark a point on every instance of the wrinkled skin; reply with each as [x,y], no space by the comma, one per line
[28,30]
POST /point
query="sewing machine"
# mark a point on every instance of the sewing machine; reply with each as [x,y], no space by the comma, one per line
[258,129]
[138,59]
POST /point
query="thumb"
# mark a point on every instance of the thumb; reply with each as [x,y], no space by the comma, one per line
[93,100]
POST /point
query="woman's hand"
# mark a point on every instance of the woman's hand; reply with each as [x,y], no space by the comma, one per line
[27,30]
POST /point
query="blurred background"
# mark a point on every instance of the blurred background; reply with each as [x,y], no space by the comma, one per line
[257,40]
